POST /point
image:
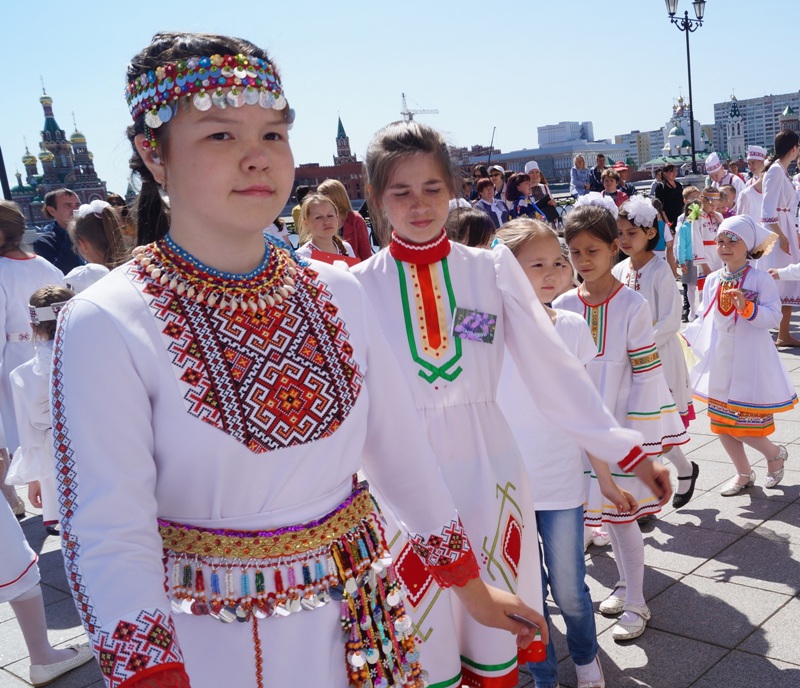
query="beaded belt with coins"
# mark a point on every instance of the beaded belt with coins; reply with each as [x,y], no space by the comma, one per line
[250,575]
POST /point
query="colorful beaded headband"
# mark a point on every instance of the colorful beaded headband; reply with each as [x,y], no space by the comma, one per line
[220,80]
[45,313]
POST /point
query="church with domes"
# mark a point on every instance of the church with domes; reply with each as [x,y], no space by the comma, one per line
[66,163]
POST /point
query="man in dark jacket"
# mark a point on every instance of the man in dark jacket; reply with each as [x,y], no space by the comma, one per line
[595,183]
[54,243]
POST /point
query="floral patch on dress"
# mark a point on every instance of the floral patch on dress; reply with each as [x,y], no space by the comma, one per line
[474,325]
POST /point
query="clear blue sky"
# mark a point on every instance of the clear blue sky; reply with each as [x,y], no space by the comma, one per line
[481,65]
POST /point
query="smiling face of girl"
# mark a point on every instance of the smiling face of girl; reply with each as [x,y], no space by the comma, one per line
[731,250]
[416,198]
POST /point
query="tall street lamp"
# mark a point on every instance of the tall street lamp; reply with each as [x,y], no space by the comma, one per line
[688,25]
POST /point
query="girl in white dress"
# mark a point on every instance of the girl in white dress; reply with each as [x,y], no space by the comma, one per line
[30,384]
[779,214]
[627,372]
[450,313]
[653,279]
[740,375]
[213,401]
[319,230]
[21,274]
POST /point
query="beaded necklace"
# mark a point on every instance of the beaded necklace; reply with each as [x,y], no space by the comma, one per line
[727,282]
[266,286]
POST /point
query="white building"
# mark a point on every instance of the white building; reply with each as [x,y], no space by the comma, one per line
[760,119]
[554,134]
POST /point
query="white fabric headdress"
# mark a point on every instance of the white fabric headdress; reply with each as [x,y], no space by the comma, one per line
[754,235]
[595,198]
[532,165]
[640,211]
[97,206]
[712,163]
[756,153]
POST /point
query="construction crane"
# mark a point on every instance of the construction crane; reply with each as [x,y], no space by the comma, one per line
[408,115]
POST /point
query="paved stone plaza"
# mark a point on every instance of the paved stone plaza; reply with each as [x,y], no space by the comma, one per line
[722,580]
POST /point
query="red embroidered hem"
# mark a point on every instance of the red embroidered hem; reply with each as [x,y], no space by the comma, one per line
[459,572]
[420,254]
[633,459]
[160,676]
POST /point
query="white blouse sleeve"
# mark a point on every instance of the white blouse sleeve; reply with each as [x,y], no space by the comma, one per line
[667,313]
[771,189]
[32,459]
[555,379]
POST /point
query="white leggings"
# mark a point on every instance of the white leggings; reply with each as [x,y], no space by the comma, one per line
[628,547]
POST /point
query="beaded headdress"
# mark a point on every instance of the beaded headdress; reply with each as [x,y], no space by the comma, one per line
[755,235]
[43,314]
[219,80]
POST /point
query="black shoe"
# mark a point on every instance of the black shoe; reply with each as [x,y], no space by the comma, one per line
[53,530]
[683,498]
[685,318]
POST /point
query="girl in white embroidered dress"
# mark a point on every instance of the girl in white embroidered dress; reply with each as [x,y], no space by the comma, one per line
[248,389]
[320,227]
[652,278]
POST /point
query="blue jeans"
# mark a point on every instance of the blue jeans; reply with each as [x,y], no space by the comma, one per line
[564,569]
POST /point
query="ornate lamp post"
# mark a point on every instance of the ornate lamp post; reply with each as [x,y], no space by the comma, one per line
[688,25]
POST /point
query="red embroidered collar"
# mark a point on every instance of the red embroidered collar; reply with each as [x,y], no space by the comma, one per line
[420,254]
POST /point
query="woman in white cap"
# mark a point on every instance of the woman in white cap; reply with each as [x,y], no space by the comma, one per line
[739,374]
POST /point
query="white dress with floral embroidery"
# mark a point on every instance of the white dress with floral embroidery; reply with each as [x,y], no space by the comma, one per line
[454,382]
[628,373]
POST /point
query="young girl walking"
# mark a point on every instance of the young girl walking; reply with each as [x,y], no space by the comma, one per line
[641,271]
[97,237]
[247,390]
[629,376]
[555,461]
[740,375]
[30,386]
[450,312]
[319,231]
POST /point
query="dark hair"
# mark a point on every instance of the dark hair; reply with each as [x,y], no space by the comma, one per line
[484,183]
[47,296]
[391,144]
[785,140]
[12,226]
[103,233]
[653,241]
[508,174]
[482,170]
[593,219]
[301,192]
[469,226]
[657,205]
[51,199]
[669,167]
[610,172]
[512,190]
[658,170]
[150,213]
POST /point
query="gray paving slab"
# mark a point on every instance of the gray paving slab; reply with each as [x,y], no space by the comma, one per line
[778,639]
[757,562]
[717,612]
[744,670]
[785,525]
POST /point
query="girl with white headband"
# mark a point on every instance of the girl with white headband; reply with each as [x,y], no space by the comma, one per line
[740,375]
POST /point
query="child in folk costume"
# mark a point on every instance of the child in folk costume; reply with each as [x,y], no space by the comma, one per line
[21,273]
[30,385]
[450,312]
[779,214]
[248,390]
[628,373]
[555,461]
[704,232]
[653,279]
[319,231]
[19,586]
[740,375]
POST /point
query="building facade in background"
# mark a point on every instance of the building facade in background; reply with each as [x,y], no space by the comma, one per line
[760,119]
[66,163]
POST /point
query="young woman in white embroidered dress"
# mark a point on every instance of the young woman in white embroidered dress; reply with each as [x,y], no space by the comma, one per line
[247,390]
[779,214]
[320,227]
[653,279]
[21,274]
[450,312]
[627,372]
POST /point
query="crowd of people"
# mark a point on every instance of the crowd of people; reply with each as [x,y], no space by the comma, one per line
[316,447]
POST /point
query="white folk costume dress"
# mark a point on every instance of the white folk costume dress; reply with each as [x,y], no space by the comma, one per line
[18,569]
[704,242]
[33,459]
[19,278]
[749,201]
[739,374]
[779,206]
[656,283]
[730,179]
[242,408]
[628,373]
[449,312]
